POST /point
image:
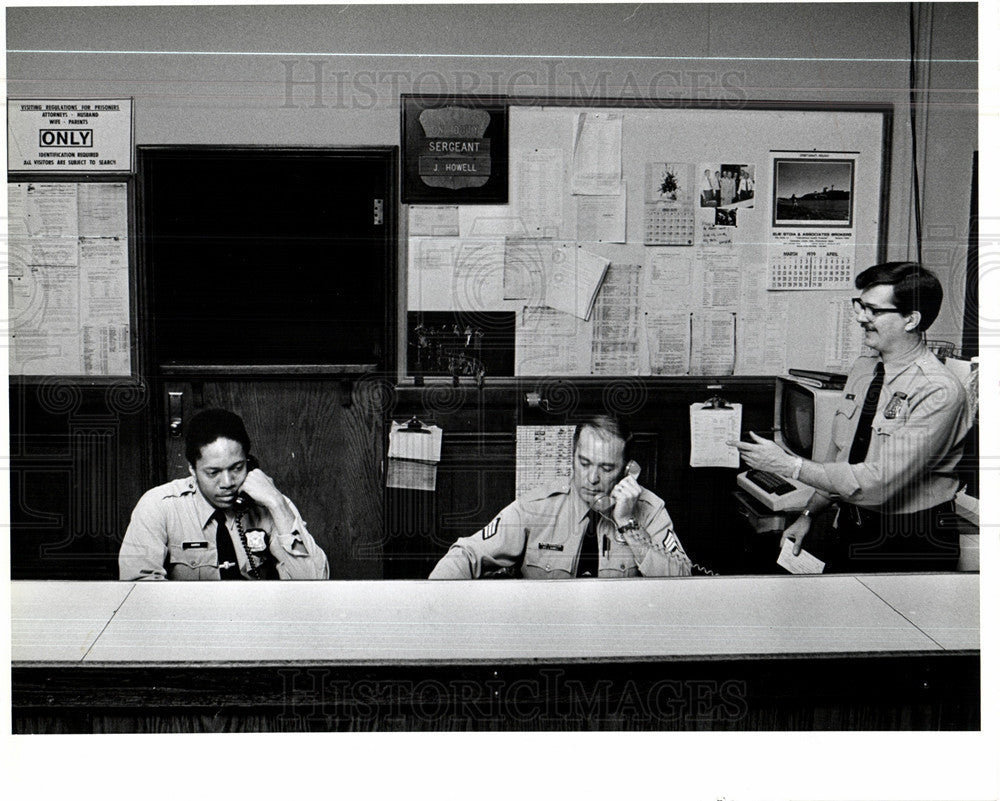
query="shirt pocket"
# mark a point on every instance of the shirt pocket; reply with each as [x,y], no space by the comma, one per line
[615,567]
[843,423]
[884,426]
[547,563]
[194,564]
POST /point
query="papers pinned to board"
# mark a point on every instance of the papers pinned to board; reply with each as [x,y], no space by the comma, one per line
[414,453]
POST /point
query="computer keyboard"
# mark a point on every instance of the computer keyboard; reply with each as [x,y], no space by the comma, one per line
[769,482]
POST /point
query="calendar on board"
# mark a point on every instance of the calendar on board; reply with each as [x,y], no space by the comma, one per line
[810,269]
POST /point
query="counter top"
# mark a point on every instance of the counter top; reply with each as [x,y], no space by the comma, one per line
[495,622]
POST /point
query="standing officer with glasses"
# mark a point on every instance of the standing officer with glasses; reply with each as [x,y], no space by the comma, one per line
[897,438]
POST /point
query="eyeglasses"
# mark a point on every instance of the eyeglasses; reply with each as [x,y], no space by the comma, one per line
[860,307]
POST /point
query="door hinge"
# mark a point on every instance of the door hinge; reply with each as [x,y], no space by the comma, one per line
[379,211]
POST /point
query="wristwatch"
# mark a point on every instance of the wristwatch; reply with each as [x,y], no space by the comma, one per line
[629,525]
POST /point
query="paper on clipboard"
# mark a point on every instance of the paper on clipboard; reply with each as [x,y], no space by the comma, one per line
[414,453]
[711,428]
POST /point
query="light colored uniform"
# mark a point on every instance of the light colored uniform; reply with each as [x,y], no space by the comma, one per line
[917,436]
[544,531]
[172,535]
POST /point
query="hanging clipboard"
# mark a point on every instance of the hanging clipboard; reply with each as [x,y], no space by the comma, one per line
[414,453]
[714,423]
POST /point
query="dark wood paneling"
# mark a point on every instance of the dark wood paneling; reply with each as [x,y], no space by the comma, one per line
[79,458]
[474,481]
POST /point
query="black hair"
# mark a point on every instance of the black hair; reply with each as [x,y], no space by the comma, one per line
[209,425]
[913,288]
[606,424]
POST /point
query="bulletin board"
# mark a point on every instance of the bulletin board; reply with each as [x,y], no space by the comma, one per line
[68,279]
[666,241]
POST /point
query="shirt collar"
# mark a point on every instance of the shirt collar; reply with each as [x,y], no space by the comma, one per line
[898,366]
[580,507]
[202,506]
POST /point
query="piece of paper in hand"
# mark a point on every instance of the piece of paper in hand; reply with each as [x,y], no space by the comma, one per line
[805,562]
[711,429]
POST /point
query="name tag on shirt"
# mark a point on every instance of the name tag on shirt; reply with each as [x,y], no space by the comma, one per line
[548,546]
[189,545]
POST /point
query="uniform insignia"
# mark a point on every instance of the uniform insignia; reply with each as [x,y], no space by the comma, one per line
[893,407]
[256,541]
[491,529]
[189,545]
[549,546]
[670,541]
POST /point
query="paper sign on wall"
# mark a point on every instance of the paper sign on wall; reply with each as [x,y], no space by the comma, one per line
[69,135]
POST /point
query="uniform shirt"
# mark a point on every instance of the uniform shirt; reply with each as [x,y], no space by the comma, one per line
[917,436]
[544,531]
[172,535]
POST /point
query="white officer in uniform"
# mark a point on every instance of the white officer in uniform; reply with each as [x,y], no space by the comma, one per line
[548,533]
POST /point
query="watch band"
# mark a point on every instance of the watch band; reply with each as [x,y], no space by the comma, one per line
[629,525]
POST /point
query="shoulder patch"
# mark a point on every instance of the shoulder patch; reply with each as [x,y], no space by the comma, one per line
[491,529]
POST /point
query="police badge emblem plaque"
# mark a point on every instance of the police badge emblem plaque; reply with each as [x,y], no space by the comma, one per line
[454,149]
[894,406]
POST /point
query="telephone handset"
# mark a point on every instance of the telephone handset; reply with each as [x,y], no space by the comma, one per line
[242,498]
[602,503]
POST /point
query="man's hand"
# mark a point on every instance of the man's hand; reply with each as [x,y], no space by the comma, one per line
[625,493]
[259,486]
[796,533]
[763,454]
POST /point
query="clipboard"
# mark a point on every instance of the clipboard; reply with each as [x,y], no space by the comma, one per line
[414,453]
[716,402]
[714,422]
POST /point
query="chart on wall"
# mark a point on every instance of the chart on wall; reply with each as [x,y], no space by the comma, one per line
[68,279]
[665,241]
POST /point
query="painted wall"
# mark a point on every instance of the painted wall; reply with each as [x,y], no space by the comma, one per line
[328,75]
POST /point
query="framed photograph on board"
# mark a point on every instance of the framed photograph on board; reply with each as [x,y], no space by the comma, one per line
[454,149]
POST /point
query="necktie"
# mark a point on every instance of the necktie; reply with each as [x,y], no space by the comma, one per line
[587,566]
[224,546]
[863,433]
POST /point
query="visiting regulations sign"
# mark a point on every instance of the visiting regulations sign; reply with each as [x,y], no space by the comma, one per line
[69,135]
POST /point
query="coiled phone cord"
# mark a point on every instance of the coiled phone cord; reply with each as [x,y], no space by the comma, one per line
[251,560]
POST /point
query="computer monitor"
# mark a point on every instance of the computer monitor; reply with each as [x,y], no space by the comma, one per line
[803,418]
